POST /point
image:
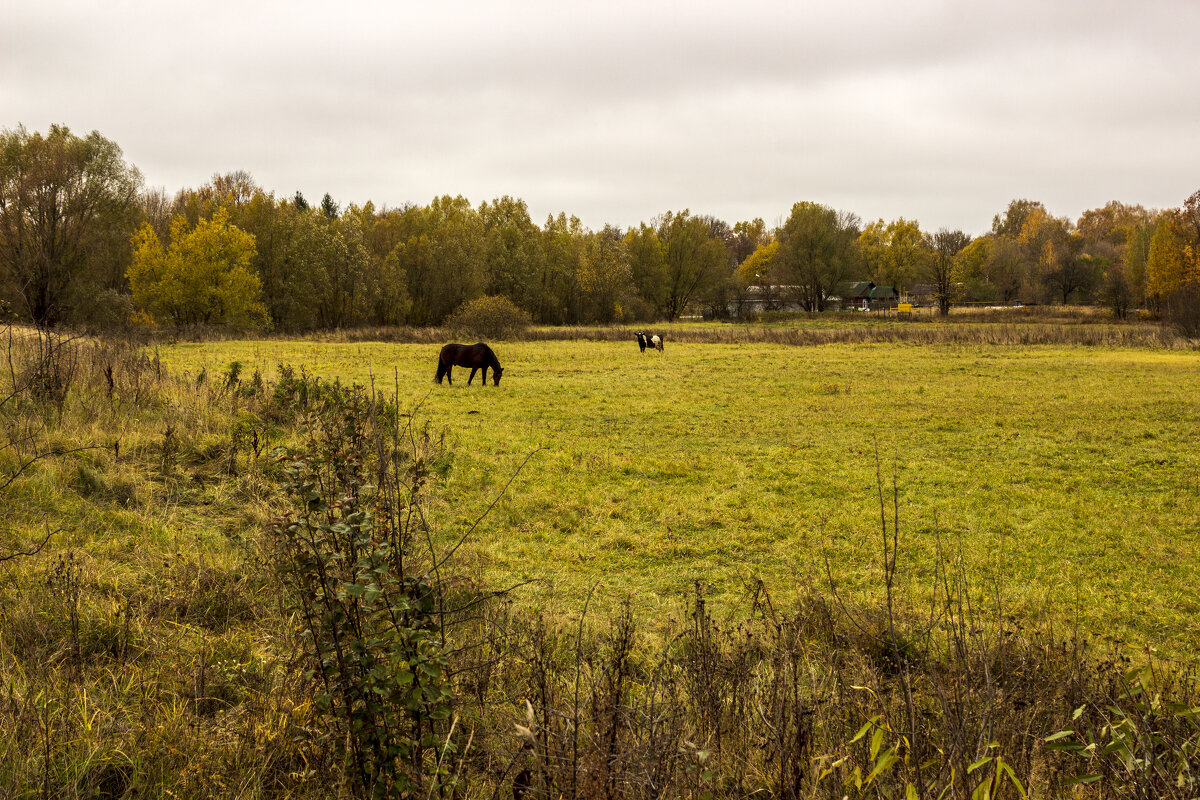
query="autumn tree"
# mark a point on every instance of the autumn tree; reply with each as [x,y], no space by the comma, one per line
[1013,220]
[1113,224]
[1115,246]
[749,236]
[760,270]
[945,245]
[1116,291]
[1171,262]
[68,206]
[202,277]
[233,191]
[1134,257]
[760,267]
[1052,249]
[818,250]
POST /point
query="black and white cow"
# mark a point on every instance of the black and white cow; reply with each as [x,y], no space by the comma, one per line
[651,340]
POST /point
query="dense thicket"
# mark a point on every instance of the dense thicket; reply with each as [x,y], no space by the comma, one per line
[81,242]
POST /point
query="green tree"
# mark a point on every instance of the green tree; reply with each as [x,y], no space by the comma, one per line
[1005,269]
[203,277]
[970,266]
[604,277]
[895,253]
[818,250]
[68,206]
[513,251]
[329,208]
[695,257]
[345,287]
[564,242]
[648,265]
[290,262]
[441,251]
[382,290]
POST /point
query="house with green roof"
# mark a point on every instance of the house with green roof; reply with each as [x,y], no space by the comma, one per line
[867,296]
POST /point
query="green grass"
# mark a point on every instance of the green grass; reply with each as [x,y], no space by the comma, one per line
[1066,477]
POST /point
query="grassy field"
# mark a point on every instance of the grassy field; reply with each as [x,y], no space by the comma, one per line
[1065,477]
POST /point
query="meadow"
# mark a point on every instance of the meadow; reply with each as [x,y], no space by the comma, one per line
[1064,478]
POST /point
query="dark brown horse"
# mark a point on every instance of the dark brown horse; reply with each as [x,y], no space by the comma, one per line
[476,356]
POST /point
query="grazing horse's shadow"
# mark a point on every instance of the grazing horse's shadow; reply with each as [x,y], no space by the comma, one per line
[476,356]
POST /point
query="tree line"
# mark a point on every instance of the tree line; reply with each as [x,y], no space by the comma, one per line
[83,242]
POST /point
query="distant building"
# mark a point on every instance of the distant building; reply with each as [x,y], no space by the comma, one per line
[867,296]
[922,294]
[756,299]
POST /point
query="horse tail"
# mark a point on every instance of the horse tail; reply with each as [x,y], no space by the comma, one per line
[441,373]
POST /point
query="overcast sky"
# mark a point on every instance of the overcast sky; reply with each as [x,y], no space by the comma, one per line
[619,111]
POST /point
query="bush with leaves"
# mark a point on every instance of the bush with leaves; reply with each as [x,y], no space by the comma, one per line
[489,317]
[368,620]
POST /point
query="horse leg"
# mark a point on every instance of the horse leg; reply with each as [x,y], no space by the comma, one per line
[472,376]
[449,369]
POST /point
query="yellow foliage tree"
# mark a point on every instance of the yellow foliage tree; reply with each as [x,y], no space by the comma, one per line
[756,269]
[1171,263]
[203,277]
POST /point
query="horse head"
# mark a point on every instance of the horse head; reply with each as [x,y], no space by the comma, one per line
[497,371]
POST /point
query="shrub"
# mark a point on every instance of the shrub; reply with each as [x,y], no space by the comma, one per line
[104,310]
[489,317]
[1116,293]
[1181,310]
[370,617]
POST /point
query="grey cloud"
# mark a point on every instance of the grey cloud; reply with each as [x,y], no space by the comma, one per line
[942,111]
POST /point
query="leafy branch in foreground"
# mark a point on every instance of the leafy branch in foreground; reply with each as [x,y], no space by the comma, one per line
[369,627]
[369,601]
